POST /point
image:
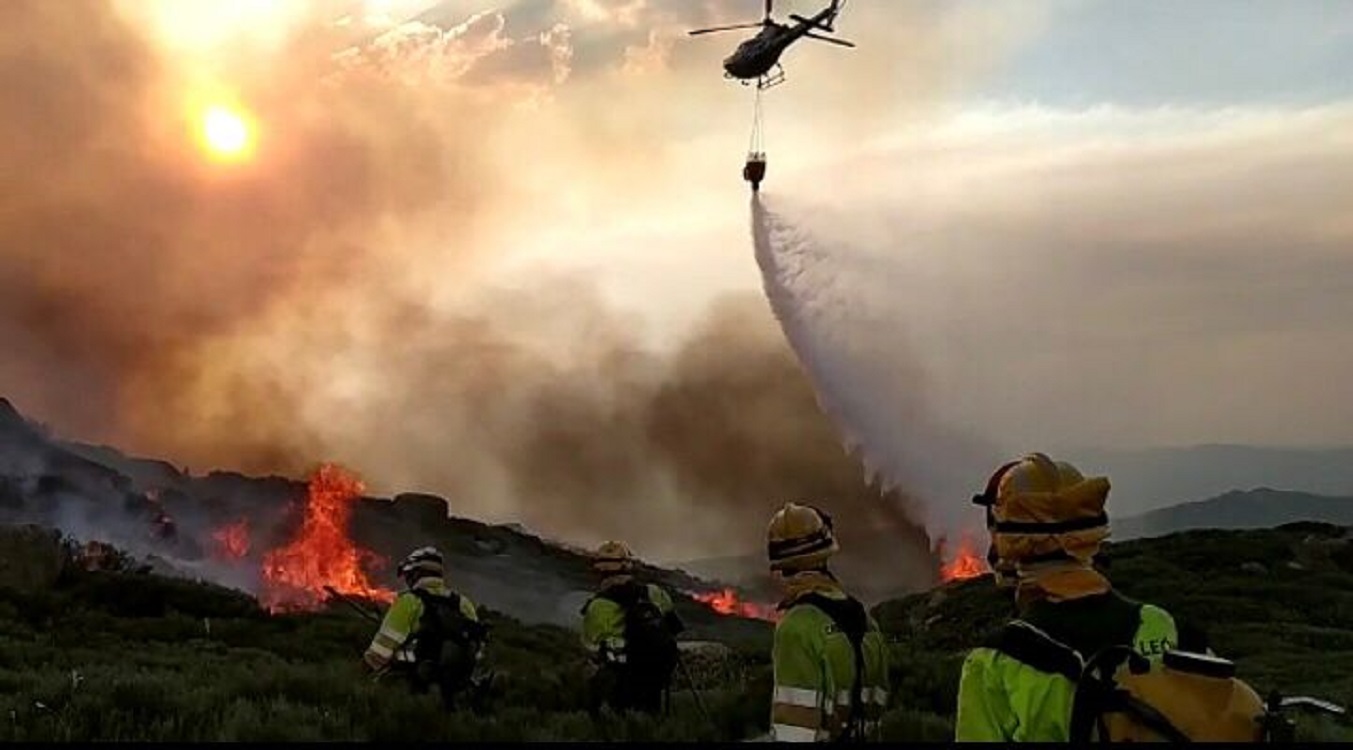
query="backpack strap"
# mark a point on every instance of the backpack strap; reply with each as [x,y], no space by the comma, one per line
[1098,694]
[851,619]
[1026,643]
[429,599]
[468,629]
[625,594]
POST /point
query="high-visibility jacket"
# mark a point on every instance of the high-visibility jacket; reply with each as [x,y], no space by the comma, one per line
[604,620]
[1003,699]
[401,623]
[814,670]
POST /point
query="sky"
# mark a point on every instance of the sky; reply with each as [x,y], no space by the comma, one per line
[1087,223]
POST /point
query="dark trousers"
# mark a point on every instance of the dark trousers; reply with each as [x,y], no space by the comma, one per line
[627,689]
[422,677]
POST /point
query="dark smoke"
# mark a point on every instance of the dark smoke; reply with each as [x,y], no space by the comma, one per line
[544,407]
[215,320]
[122,251]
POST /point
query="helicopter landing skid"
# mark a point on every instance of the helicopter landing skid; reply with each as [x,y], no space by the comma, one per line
[774,78]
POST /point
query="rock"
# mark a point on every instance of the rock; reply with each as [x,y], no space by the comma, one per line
[490,545]
[430,509]
[705,649]
[709,662]
[1254,567]
[1294,565]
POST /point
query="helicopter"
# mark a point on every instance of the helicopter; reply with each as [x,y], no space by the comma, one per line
[758,59]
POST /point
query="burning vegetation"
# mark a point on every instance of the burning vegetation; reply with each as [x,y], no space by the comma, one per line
[232,542]
[965,562]
[727,602]
[322,554]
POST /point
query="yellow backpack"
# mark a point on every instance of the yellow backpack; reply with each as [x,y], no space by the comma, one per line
[1123,697]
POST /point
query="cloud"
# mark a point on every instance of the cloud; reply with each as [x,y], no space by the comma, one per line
[1111,276]
[126,252]
[474,55]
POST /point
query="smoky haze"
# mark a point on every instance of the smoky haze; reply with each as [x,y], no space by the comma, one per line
[124,254]
[249,318]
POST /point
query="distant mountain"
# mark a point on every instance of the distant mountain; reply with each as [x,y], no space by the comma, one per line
[1261,508]
[1145,480]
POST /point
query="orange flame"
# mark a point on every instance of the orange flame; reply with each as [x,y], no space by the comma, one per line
[321,554]
[965,564]
[232,542]
[726,602]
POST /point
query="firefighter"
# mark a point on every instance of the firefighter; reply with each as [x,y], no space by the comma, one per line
[431,635]
[830,659]
[1047,523]
[630,629]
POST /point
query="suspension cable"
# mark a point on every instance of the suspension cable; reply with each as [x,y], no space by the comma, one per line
[757,145]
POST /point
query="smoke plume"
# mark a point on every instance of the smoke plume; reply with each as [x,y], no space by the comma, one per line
[268,315]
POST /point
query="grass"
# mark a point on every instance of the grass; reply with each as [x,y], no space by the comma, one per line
[134,657]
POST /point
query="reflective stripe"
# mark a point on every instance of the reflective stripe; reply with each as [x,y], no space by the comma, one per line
[387,642]
[376,662]
[380,650]
[875,695]
[796,696]
[391,633]
[798,716]
[788,733]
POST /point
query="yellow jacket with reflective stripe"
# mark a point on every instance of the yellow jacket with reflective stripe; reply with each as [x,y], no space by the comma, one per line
[402,621]
[1001,699]
[814,668]
[604,620]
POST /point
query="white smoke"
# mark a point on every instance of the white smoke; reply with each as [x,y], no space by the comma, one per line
[837,308]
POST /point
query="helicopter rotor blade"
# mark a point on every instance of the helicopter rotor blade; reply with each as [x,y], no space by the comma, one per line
[829,40]
[725,28]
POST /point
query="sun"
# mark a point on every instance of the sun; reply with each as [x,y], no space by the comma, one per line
[226,133]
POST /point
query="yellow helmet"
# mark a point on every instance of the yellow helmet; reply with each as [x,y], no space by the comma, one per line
[612,557]
[799,537]
[1039,509]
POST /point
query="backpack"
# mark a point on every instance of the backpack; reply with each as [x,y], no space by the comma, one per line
[650,641]
[1121,696]
[851,619]
[448,644]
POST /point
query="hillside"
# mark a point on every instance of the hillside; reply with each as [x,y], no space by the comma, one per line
[1254,509]
[156,511]
[125,654]
[1278,601]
